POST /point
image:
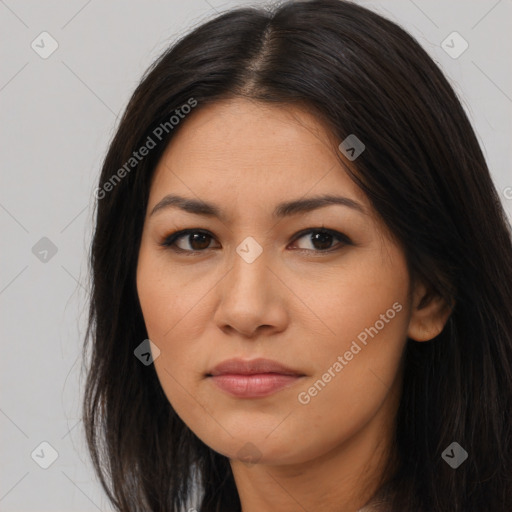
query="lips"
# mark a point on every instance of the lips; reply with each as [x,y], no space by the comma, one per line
[255,378]
[239,366]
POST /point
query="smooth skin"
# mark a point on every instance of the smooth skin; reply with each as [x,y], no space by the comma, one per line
[298,303]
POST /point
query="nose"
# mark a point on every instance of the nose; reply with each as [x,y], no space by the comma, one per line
[251,299]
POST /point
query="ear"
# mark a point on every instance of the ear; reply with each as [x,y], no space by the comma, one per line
[429,313]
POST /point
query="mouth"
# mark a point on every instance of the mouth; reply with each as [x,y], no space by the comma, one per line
[253,378]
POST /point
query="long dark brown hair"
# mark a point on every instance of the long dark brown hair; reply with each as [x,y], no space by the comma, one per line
[425,175]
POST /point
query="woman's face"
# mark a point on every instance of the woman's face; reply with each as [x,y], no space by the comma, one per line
[335,307]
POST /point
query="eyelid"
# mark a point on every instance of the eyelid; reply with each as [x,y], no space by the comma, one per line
[337,234]
[169,240]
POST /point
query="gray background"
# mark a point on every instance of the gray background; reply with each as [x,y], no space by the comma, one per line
[59,115]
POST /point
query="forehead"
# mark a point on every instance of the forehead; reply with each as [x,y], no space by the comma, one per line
[242,152]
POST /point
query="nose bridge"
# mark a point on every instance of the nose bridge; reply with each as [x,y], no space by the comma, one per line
[249,272]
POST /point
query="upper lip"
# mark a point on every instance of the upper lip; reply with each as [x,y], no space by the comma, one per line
[252,366]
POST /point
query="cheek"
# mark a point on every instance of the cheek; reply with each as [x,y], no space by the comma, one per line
[357,365]
[357,350]
[166,296]
[175,317]
[365,300]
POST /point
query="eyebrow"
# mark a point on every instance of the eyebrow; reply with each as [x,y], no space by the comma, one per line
[284,209]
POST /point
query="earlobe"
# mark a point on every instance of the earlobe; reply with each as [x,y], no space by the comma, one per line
[429,314]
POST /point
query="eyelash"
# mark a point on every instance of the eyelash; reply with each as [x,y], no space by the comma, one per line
[170,240]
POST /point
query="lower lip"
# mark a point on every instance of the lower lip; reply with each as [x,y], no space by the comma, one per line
[253,386]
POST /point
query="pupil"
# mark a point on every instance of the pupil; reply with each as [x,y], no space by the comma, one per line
[323,238]
[194,239]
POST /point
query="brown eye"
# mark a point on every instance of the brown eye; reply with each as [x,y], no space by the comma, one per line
[188,240]
[198,241]
[321,240]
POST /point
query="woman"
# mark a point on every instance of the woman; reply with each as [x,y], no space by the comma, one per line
[296,212]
